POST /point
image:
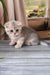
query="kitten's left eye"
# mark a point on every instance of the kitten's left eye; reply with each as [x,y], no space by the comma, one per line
[17,30]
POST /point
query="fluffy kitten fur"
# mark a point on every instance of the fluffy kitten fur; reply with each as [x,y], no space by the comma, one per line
[21,34]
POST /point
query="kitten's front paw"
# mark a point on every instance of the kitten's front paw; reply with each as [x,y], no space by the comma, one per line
[11,43]
[17,46]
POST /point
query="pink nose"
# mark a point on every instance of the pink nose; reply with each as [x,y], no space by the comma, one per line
[14,33]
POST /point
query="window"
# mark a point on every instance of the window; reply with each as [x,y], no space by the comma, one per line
[35,8]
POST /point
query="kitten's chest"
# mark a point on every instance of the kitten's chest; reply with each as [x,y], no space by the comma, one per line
[15,38]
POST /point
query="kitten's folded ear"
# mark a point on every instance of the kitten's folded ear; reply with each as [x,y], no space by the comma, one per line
[6,25]
[18,23]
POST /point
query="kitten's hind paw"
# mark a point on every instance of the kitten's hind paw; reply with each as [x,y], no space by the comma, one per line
[12,43]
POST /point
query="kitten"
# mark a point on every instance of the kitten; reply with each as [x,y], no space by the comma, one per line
[21,34]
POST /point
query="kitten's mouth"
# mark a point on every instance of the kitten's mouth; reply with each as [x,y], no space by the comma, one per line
[15,35]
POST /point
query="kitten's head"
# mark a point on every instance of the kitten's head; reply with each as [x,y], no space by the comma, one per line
[13,28]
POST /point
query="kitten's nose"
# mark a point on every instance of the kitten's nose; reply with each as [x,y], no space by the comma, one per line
[14,33]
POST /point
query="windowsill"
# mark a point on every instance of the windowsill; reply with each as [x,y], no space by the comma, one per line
[34,18]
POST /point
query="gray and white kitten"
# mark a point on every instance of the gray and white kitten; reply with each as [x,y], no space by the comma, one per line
[21,34]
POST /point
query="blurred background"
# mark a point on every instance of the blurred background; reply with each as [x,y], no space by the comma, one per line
[30,12]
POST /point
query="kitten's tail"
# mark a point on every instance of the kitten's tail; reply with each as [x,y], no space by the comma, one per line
[43,43]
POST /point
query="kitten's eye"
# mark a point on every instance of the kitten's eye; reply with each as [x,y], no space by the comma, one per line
[17,30]
[11,30]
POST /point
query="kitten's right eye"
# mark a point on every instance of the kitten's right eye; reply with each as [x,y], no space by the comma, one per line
[11,30]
